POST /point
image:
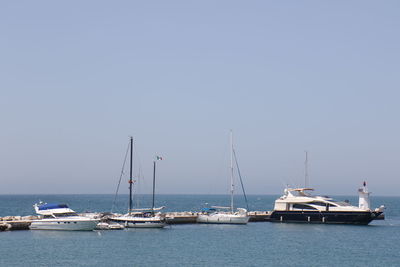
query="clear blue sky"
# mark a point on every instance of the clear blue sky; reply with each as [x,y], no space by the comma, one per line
[78,77]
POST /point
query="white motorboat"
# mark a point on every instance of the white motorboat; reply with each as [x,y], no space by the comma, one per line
[298,205]
[229,216]
[61,217]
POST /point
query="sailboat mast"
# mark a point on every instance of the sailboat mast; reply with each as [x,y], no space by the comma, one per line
[232,185]
[130,176]
[154,184]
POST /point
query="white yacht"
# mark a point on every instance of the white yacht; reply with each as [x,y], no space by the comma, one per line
[61,217]
[226,215]
[299,205]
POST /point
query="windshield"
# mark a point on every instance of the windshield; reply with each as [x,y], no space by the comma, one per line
[341,203]
[300,193]
[65,214]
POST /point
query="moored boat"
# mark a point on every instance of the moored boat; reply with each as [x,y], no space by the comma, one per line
[141,219]
[226,215]
[298,205]
[61,217]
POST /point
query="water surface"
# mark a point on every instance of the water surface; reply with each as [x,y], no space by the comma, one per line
[256,244]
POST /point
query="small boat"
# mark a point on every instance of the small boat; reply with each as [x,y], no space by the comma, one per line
[61,217]
[298,205]
[141,218]
[225,215]
[109,226]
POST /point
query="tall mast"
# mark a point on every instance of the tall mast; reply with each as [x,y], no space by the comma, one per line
[232,185]
[154,184]
[306,171]
[130,177]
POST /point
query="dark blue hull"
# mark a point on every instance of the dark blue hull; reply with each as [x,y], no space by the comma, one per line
[344,217]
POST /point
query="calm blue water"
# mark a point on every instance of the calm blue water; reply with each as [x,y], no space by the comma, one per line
[256,244]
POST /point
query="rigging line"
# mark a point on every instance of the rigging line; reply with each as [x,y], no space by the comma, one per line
[241,181]
[120,178]
[139,178]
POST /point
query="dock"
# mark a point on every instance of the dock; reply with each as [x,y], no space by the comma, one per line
[11,223]
[259,216]
[181,217]
[191,217]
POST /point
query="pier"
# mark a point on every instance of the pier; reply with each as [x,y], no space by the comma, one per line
[10,223]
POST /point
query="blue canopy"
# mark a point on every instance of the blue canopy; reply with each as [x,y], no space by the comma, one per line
[52,206]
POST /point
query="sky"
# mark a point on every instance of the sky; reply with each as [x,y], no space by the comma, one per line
[77,78]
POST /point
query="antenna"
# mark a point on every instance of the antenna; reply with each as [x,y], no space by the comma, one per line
[154,185]
[306,179]
[231,169]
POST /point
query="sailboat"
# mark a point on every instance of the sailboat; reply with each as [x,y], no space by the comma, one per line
[141,218]
[226,215]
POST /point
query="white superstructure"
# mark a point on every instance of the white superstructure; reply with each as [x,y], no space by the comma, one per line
[363,197]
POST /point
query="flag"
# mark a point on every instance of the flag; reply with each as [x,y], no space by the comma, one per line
[159,158]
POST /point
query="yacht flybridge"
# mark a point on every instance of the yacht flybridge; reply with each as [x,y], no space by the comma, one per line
[298,205]
[61,217]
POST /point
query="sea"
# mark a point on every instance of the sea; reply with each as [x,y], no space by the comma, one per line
[254,244]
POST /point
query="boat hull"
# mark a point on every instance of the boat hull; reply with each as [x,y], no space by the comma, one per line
[145,224]
[140,222]
[233,219]
[64,225]
[334,217]
[108,226]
